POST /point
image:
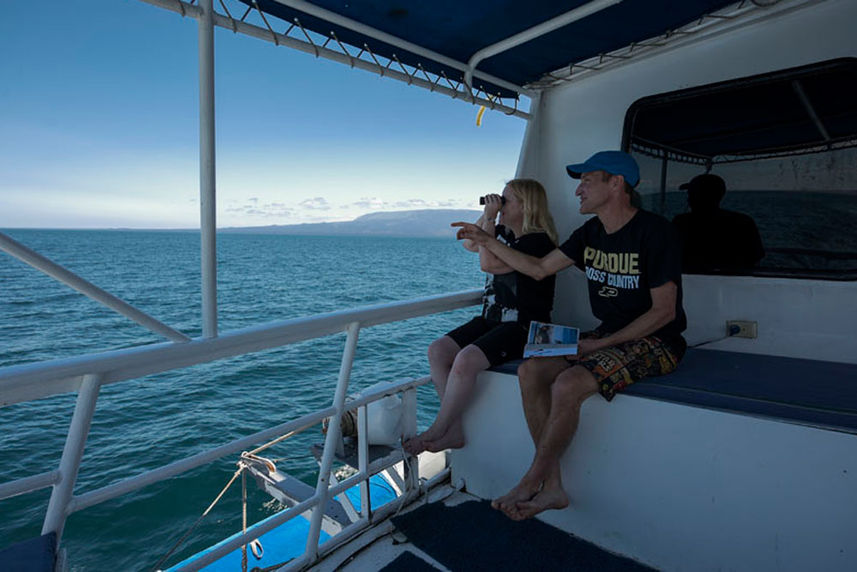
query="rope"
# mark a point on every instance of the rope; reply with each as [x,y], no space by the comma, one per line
[275,441]
[181,540]
[243,519]
[408,460]
[272,567]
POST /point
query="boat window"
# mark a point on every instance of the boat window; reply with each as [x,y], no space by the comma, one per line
[784,146]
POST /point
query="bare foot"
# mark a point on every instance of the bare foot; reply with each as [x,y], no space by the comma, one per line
[523,491]
[415,445]
[419,443]
[448,441]
[546,499]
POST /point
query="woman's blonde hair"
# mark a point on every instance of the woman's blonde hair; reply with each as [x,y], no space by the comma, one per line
[537,215]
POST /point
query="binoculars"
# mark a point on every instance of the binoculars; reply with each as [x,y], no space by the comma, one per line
[482,200]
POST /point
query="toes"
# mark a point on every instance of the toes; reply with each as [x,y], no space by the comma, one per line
[501,503]
[414,446]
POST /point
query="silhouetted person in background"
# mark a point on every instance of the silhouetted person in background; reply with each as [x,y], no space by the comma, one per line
[714,239]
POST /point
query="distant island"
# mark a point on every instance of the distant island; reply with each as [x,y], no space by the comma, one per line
[422,223]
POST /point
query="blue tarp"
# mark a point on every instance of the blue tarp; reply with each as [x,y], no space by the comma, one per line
[458,29]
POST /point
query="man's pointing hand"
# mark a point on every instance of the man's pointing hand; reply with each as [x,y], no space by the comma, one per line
[472,232]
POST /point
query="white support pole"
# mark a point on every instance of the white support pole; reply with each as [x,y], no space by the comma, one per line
[207,176]
[71,455]
[333,432]
[363,459]
[412,464]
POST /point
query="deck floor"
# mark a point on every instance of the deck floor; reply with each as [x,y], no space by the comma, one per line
[463,532]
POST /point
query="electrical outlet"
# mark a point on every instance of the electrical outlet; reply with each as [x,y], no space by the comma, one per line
[741,328]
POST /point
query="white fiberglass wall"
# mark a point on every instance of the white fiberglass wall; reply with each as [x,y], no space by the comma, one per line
[575,120]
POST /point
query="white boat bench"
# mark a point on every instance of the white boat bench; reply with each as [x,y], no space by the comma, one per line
[735,461]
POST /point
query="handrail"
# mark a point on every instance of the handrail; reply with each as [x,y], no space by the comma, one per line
[165,472]
[29,484]
[34,381]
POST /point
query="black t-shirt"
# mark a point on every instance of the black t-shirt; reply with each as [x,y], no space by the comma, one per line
[621,269]
[514,296]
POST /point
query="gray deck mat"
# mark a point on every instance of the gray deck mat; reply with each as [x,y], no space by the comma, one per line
[409,562]
[473,536]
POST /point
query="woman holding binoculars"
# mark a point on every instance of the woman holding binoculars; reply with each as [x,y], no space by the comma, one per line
[510,301]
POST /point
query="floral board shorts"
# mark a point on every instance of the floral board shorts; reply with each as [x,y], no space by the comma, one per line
[617,367]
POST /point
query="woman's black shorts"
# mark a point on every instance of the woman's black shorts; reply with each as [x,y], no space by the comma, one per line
[499,341]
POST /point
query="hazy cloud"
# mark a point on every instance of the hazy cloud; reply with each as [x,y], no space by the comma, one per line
[319,209]
[369,203]
[315,203]
[265,210]
[424,204]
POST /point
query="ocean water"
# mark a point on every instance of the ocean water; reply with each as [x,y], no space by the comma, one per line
[145,423]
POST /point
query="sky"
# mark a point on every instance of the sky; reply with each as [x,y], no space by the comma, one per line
[99,128]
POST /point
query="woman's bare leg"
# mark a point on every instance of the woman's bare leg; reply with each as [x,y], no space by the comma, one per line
[446,431]
[441,355]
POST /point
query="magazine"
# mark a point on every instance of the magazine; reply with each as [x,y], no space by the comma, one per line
[551,340]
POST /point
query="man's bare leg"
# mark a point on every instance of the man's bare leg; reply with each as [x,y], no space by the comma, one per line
[535,377]
[446,431]
[550,495]
[571,388]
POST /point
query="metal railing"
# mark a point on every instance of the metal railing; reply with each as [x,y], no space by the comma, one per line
[87,374]
[324,491]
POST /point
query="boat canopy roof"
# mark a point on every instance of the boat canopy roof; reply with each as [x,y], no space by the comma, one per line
[509,46]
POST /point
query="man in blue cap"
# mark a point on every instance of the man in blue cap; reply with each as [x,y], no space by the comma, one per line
[632,263]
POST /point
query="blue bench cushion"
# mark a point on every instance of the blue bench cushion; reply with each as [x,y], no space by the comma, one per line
[807,391]
[33,555]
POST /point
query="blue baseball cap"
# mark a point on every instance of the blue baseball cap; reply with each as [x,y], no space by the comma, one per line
[613,162]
